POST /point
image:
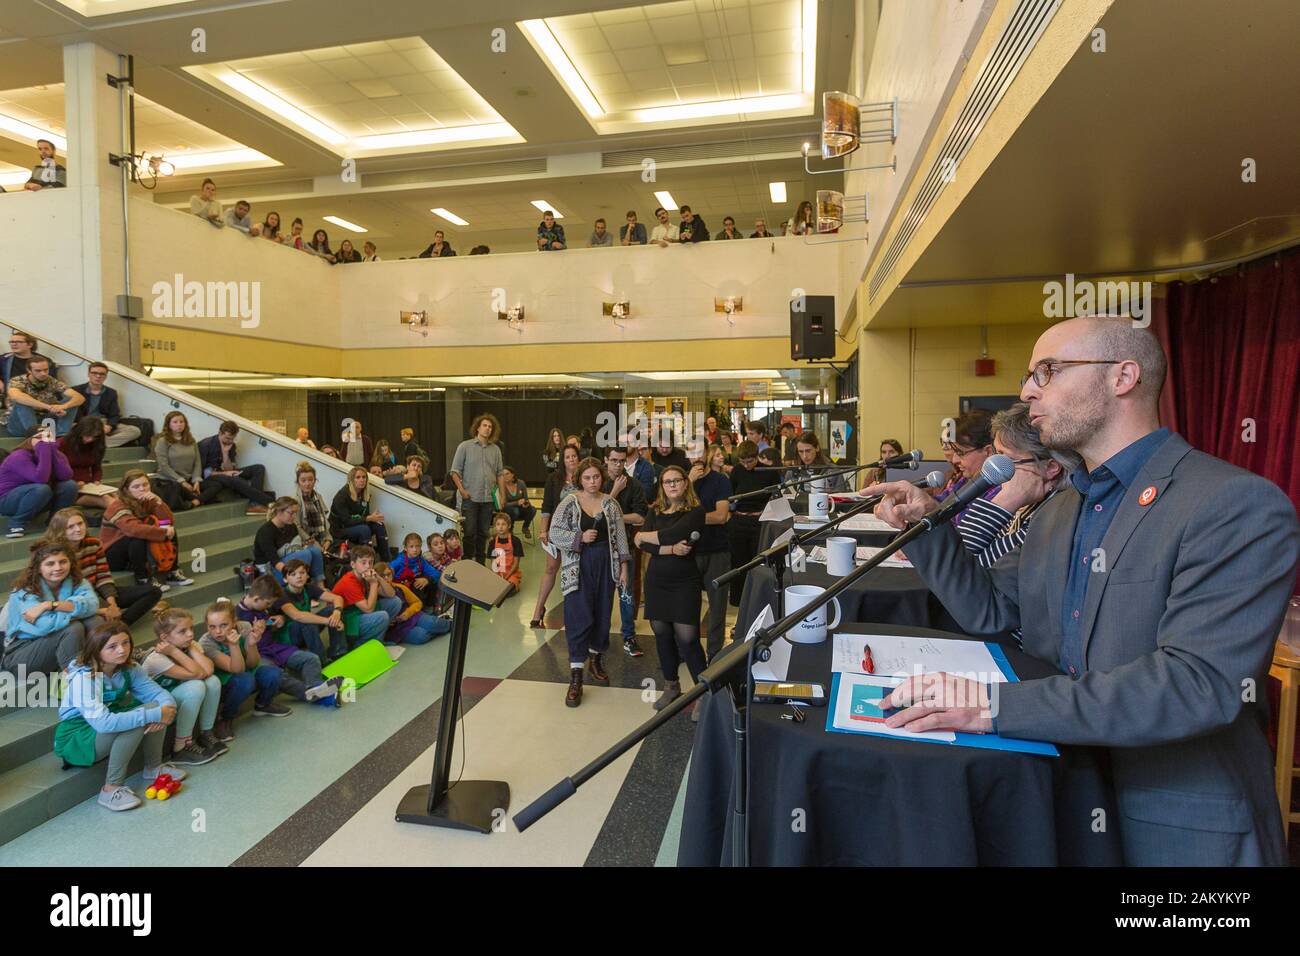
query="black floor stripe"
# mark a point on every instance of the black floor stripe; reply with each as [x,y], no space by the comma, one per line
[320,818]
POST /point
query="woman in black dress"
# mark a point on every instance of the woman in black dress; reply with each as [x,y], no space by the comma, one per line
[672,581]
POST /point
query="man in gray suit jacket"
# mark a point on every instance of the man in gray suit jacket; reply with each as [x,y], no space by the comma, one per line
[1156,581]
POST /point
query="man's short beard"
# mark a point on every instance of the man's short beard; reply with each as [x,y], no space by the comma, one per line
[1070,430]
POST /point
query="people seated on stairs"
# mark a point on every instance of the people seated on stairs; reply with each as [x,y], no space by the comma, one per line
[308,607]
[412,625]
[354,517]
[278,540]
[233,647]
[383,462]
[36,396]
[14,362]
[411,569]
[177,664]
[101,401]
[301,676]
[179,479]
[436,555]
[131,602]
[413,478]
[48,611]
[312,517]
[515,501]
[217,454]
[111,709]
[370,604]
[83,446]
[451,542]
[134,519]
[35,477]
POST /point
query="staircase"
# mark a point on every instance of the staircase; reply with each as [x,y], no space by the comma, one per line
[33,786]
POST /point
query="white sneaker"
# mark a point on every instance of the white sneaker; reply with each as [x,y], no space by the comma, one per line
[119,798]
[173,771]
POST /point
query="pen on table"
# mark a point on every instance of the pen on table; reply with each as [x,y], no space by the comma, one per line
[868,665]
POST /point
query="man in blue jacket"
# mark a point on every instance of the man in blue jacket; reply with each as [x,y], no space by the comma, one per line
[217,459]
[101,400]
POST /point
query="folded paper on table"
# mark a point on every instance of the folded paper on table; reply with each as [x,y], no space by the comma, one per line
[776,667]
[860,554]
[866,522]
[778,509]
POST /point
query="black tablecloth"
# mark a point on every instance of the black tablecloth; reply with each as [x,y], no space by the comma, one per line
[825,799]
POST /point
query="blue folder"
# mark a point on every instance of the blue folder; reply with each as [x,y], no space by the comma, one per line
[985,741]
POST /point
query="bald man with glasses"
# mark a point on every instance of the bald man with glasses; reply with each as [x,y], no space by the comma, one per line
[1155,581]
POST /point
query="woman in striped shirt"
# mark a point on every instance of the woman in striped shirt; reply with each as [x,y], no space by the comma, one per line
[130,603]
[997,526]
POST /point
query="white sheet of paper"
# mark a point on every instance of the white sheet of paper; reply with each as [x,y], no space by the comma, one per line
[843,720]
[778,509]
[775,667]
[865,522]
[864,552]
[898,656]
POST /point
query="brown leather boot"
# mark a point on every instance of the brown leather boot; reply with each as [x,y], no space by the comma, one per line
[574,695]
[596,670]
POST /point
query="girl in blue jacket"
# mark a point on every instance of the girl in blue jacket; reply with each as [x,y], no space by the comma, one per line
[48,611]
[109,707]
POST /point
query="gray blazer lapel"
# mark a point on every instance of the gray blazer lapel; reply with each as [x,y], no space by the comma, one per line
[1058,518]
[1157,474]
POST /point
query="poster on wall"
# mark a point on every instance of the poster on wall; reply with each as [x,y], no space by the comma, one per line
[796,420]
[839,440]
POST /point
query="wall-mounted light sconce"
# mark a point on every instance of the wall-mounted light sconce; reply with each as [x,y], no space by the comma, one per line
[416,321]
[830,210]
[847,125]
[729,306]
[513,317]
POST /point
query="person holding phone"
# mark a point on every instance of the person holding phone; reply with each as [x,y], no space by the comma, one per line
[135,518]
[35,477]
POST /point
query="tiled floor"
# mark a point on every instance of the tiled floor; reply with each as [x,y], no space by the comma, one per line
[321,786]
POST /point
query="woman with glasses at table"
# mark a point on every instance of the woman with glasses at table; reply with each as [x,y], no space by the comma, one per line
[996,526]
[971,446]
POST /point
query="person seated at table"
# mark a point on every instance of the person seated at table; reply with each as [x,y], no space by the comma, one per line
[673,581]
[813,464]
[355,517]
[218,453]
[888,449]
[743,528]
[38,395]
[997,526]
[84,449]
[971,446]
[101,401]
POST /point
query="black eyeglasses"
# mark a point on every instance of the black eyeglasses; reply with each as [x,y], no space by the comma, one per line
[1043,372]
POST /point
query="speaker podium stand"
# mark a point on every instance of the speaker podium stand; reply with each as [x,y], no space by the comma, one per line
[469,804]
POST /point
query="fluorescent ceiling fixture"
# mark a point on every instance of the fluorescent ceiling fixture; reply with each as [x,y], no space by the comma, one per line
[450,216]
[28,131]
[288,111]
[666,199]
[433,137]
[168,372]
[224,157]
[543,206]
[531,378]
[345,224]
[717,373]
[550,48]
[753,104]
[777,192]
[809,29]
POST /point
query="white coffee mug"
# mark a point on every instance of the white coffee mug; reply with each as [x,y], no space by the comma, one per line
[813,628]
[839,555]
[819,505]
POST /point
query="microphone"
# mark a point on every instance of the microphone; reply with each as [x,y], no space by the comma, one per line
[996,470]
[901,461]
[695,536]
[934,479]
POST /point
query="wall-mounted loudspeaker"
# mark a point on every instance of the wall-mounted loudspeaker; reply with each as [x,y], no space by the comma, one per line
[812,328]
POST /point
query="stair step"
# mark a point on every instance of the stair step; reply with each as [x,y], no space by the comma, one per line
[40,789]
[26,734]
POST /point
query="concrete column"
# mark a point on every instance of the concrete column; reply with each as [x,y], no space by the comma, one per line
[454,410]
[94,121]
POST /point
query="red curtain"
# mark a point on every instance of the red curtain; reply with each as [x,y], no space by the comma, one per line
[1234,358]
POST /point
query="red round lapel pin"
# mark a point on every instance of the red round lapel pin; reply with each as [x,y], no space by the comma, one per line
[1148,495]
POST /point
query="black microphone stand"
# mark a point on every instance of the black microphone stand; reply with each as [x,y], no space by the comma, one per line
[722,673]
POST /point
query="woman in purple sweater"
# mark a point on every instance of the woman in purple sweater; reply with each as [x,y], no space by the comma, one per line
[35,477]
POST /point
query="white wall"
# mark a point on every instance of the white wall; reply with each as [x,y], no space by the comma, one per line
[40,264]
[671,291]
[298,293]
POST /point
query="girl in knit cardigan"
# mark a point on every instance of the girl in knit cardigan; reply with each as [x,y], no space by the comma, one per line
[587,528]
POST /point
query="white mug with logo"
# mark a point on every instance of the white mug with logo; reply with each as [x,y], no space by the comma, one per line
[819,505]
[813,628]
[839,555]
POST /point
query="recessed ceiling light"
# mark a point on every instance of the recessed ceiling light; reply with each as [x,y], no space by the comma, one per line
[777,192]
[265,97]
[431,137]
[450,216]
[224,157]
[737,107]
[546,44]
[666,199]
[345,224]
[544,206]
[28,131]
